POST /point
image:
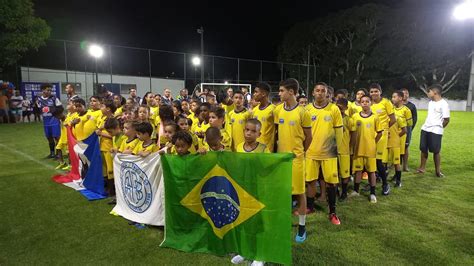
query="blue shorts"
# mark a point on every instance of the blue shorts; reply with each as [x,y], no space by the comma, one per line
[52,127]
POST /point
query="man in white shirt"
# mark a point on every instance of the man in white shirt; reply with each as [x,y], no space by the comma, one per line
[432,129]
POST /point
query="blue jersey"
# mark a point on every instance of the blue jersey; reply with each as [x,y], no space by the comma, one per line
[47,107]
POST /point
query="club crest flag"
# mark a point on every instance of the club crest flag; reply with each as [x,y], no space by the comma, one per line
[226,202]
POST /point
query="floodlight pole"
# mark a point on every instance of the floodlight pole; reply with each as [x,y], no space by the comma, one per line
[471,84]
[96,74]
[201,31]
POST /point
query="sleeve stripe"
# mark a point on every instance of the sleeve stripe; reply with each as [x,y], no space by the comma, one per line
[337,127]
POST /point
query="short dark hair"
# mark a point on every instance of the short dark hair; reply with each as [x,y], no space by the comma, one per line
[341,91]
[111,123]
[219,111]
[213,133]
[255,122]
[399,93]
[143,127]
[96,97]
[264,86]
[363,90]
[321,84]
[290,84]
[375,86]
[45,86]
[436,88]
[184,136]
[110,104]
[166,113]
[366,96]
[238,92]
[188,120]
[342,101]
[300,97]
[206,104]
[79,100]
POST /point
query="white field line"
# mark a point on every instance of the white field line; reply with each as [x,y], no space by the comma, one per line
[28,157]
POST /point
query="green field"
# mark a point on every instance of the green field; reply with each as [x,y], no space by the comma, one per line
[428,221]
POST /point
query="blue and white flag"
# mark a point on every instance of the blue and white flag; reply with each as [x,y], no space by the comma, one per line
[139,188]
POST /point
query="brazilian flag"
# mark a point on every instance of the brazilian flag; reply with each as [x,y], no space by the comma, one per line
[225,202]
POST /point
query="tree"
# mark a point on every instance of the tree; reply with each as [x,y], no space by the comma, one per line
[20,30]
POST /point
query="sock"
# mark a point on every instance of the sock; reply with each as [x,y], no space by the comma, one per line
[372,190]
[382,171]
[301,224]
[51,146]
[398,176]
[301,230]
[310,203]
[356,187]
[344,188]
[331,191]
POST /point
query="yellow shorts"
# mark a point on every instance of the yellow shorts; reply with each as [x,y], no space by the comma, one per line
[382,153]
[403,140]
[298,185]
[394,155]
[107,164]
[329,167]
[359,163]
[344,162]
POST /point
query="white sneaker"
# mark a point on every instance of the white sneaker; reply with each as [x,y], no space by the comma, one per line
[354,194]
[237,259]
[372,198]
[257,263]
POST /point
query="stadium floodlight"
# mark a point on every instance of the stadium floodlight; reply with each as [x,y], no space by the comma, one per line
[464,10]
[96,51]
[226,82]
[196,61]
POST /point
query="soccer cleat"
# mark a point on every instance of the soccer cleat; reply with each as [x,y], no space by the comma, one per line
[237,259]
[398,184]
[257,263]
[354,194]
[60,166]
[50,156]
[373,198]
[334,219]
[67,167]
[439,174]
[343,197]
[385,189]
[300,239]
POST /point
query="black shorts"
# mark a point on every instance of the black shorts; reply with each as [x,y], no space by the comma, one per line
[430,142]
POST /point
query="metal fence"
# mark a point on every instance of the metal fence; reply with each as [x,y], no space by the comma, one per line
[152,63]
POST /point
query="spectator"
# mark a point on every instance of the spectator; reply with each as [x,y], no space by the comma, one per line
[166,98]
[27,109]
[3,107]
[183,95]
[133,95]
[203,95]
[71,92]
[15,106]
[36,110]
[247,96]
[105,94]
[230,93]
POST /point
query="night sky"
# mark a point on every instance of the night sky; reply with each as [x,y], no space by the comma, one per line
[244,29]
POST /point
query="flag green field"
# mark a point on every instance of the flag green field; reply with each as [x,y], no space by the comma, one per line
[223,203]
[428,221]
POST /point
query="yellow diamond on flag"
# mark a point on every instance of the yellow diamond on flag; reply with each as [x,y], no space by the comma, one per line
[221,201]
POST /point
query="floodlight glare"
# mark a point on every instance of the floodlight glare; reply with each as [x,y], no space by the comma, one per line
[196,61]
[96,51]
[464,11]
[226,82]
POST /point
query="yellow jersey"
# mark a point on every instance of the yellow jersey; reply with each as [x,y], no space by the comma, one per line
[344,148]
[117,141]
[394,133]
[324,123]
[193,118]
[237,123]
[105,144]
[198,129]
[260,148]
[405,113]
[128,144]
[228,109]
[355,108]
[265,116]
[118,111]
[87,125]
[366,129]
[383,109]
[152,147]
[290,128]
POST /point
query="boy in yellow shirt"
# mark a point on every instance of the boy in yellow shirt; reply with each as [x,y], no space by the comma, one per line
[61,147]
[217,120]
[252,132]
[185,124]
[238,116]
[213,140]
[203,124]
[131,140]
[344,149]
[396,140]
[264,113]
[366,132]
[294,135]
[146,145]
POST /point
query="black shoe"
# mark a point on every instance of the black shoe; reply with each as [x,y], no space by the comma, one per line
[51,156]
[386,190]
[398,184]
[343,196]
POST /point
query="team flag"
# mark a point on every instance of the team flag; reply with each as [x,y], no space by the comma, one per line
[226,202]
[86,167]
[139,188]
